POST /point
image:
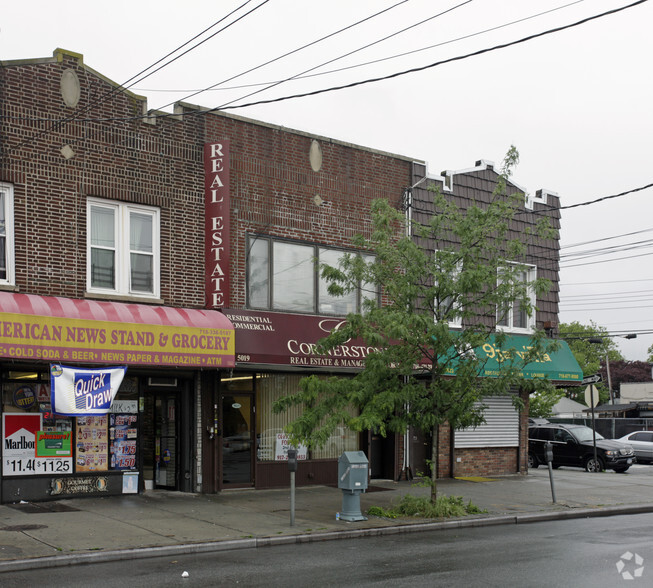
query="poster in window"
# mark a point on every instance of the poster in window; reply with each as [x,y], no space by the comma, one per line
[123,433]
[92,447]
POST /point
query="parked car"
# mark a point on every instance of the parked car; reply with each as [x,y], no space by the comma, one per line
[573,446]
[642,443]
[537,421]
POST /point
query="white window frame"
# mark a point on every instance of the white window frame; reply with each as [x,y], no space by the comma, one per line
[531,275]
[122,212]
[7,191]
[457,323]
[317,285]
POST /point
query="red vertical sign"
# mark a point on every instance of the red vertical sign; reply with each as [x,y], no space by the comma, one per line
[216,223]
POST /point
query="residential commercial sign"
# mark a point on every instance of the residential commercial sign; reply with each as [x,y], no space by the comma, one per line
[216,223]
[291,339]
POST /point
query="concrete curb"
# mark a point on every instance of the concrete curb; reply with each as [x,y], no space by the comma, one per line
[254,542]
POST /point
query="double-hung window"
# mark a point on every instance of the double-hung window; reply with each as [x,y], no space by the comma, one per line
[6,234]
[123,249]
[446,305]
[284,275]
[513,316]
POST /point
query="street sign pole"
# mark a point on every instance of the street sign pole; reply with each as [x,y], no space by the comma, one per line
[593,395]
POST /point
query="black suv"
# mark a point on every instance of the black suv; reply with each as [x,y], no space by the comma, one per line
[573,446]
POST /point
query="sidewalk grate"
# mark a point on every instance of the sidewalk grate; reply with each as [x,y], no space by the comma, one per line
[23,528]
[31,507]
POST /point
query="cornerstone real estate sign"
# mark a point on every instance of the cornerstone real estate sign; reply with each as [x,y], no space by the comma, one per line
[216,223]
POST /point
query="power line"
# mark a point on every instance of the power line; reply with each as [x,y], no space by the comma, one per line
[384,78]
[603,239]
[290,53]
[374,61]
[609,282]
[444,61]
[590,202]
[123,87]
[606,260]
[620,293]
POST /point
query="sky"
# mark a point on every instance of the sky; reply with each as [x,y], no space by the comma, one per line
[577,103]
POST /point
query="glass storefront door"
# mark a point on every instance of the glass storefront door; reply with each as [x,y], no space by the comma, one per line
[166,413]
[237,439]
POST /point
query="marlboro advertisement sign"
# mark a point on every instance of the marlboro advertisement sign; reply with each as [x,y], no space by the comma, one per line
[84,391]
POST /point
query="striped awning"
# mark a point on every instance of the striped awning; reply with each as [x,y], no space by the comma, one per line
[56,329]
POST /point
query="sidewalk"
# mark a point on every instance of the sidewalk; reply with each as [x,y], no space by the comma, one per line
[86,530]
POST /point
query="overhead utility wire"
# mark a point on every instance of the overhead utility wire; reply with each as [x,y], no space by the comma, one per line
[223,106]
[124,84]
[606,260]
[552,208]
[607,250]
[438,63]
[380,60]
[288,53]
[373,80]
[122,87]
[609,282]
[607,300]
[625,293]
[603,239]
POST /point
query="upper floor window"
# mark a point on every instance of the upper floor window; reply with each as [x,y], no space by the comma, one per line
[513,317]
[6,233]
[283,275]
[446,305]
[123,249]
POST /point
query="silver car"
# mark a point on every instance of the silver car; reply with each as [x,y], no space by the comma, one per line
[642,443]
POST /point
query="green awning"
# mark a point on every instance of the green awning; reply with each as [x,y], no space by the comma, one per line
[559,366]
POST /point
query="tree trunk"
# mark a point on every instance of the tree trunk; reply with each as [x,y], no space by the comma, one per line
[434,463]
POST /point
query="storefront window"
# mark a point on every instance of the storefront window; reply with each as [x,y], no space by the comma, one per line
[293,284]
[95,443]
[283,275]
[270,426]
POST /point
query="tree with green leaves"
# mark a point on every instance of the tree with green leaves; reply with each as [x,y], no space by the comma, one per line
[422,373]
[541,403]
[590,344]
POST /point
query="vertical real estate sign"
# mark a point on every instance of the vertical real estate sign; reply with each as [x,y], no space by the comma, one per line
[216,223]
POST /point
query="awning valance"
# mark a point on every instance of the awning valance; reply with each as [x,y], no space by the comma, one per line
[558,366]
[54,329]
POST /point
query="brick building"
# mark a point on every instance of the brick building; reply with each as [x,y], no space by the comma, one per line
[182,247]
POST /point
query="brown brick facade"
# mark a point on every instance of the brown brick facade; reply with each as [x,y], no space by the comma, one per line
[57,156]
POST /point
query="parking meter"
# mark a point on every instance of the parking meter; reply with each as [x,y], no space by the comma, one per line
[292,460]
[548,452]
[548,456]
[292,468]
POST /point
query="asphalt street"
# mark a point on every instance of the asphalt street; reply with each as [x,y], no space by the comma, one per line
[72,532]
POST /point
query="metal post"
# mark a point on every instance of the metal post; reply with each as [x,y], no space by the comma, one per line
[607,369]
[548,454]
[292,499]
[593,425]
[292,467]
